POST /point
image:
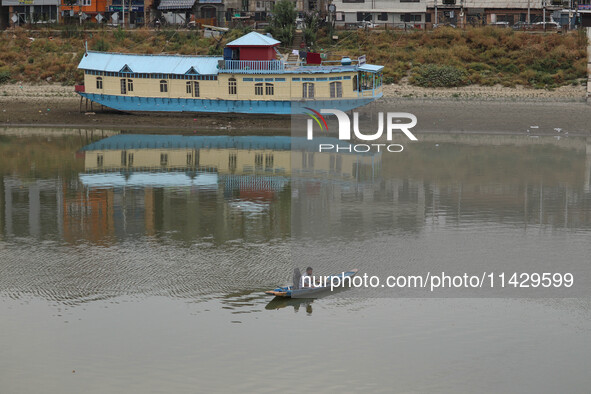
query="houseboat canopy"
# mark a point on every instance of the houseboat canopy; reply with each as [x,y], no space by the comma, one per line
[166,64]
[372,68]
[253,39]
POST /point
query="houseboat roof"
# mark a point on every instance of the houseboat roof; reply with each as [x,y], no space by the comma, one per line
[253,39]
[372,68]
[153,64]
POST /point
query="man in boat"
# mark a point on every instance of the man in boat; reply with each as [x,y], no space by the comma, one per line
[307,279]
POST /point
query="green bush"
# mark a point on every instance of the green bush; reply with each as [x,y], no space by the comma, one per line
[101,45]
[432,75]
[119,34]
[478,66]
[4,75]
[215,51]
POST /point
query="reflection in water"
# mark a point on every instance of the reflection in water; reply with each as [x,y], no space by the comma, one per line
[134,255]
[296,303]
[192,216]
[186,188]
[168,215]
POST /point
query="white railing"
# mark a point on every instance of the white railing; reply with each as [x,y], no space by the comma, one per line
[253,66]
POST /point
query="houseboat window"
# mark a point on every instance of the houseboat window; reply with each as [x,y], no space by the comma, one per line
[258,89]
[295,79]
[163,159]
[130,85]
[269,89]
[336,89]
[99,160]
[279,79]
[232,86]
[355,87]
[163,86]
[124,86]
[130,159]
[308,90]
[99,83]
[193,88]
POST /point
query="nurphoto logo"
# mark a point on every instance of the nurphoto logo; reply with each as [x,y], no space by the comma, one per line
[393,124]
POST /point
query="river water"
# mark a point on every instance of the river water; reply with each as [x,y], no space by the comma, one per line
[135,263]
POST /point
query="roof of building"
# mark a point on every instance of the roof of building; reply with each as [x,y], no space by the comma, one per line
[253,39]
[175,4]
[153,64]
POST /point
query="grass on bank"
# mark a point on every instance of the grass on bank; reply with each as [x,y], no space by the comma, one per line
[441,58]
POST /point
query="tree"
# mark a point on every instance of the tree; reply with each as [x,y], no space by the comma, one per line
[311,23]
[282,21]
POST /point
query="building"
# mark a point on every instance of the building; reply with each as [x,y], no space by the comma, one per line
[482,12]
[584,10]
[208,12]
[3,16]
[137,12]
[22,12]
[87,10]
[395,14]
[247,79]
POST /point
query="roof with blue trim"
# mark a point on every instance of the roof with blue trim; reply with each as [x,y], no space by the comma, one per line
[253,39]
[152,64]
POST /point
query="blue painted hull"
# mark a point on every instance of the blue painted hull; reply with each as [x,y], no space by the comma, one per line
[159,104]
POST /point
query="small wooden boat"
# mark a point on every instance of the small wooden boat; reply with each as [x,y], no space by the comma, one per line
[310,292]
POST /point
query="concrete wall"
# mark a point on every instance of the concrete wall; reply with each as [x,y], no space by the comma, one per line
[395,6]
[588,64]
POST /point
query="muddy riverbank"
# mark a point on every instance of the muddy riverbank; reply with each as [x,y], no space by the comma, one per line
[469,109]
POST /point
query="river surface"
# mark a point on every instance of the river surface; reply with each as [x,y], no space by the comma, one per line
[135,263]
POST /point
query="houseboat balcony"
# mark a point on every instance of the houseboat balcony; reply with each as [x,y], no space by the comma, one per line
[252,66]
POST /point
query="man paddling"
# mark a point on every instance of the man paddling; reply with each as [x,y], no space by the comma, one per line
[307,280]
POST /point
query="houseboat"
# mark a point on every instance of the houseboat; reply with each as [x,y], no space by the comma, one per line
[251,77]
